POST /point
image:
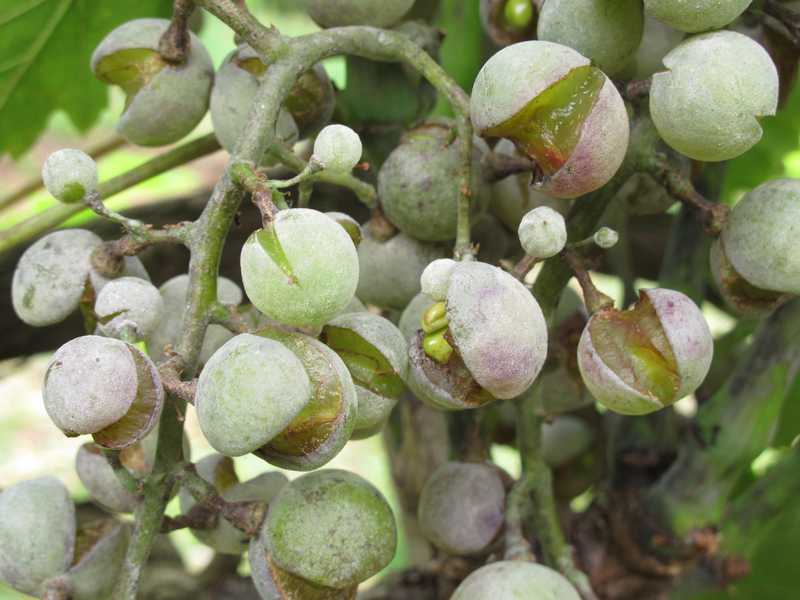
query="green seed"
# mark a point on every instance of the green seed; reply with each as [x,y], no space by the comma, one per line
[435,318]
[437,347]
[518,14]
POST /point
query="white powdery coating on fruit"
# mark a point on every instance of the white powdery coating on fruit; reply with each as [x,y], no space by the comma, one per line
[564,439]
[90,383]
[411,319]
[224,537]
[606,31]
[373,412]
[515,580]
[37,533]
[231,99]
[248,392]
[98,569]
[64,169]
[331,528]
[435,279]
[688,334]
[174,101]
[380,333]
[599,152]
[337,148]
[340,13]
[513,77]
[514,196]
[707,104]
[605,237]
[457,494]
[606,386]
[542,232]
[323,263]
[173,293]
[129,301]
[697,15]
[51,276]
[761,236]
[390,270]
[101,482]
[498,328]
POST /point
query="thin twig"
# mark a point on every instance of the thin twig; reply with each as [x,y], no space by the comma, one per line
[595,299]
[174,44]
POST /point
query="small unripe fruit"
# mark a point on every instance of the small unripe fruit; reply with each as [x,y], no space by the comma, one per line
[219,471]
[129,303]
[340,13]
[700,15]
[461,508]
[337,149]
[641,360]
[323,517]
[435,279]
[515,580]
[173,294]
[250,390]
[418,183]
[376,355]
[509,21]
[564,439]
[605,238]
[542,233]
[327,421]
[390,270]
[760,236]
[104,387]
[293,281]
[487,340]
[99,479]
[411,317]
[558,109]
[69,175]
[164,101]
[515,196]
[37,533]
[606,31]
[707,104]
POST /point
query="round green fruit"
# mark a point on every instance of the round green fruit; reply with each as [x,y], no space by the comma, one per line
[129,304]
[340,13]
[515,580]
[542,233]
[337,149]
[69,175]
[700,15]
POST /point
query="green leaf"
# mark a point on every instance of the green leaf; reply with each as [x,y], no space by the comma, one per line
[45,47]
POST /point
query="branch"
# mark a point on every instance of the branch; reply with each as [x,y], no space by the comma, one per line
[174,44]
[267,41]
[55,216]
[595,299]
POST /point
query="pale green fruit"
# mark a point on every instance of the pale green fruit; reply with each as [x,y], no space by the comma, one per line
[390,270]
[339,13]
[99,479]
[542,233]
[435,279]
[707,103]
[375,353]
[498,335]
[515,580]
[173,294]
[461,508]
[232,97]
[515,196]
[103,545]
[69,175]
[564,439]
[327,421]
[164,101]
[293,281]
[698,15]
[411,318]
[337,149]
[37,533]
[51,276]
[418,183]
[556,108]
[219,471]
[761,233]
[104,387]
[606,31]
[248,392]
[129,303]
[641,360]
[320,518]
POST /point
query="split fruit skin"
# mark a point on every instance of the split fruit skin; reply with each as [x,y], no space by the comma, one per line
[557,109]
[708,102]
[164,101]
[515,580]
[642,360]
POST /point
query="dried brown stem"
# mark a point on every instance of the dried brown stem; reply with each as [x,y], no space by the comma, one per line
[174,44]
[595,299]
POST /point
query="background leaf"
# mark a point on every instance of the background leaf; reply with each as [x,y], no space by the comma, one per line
[45,47]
